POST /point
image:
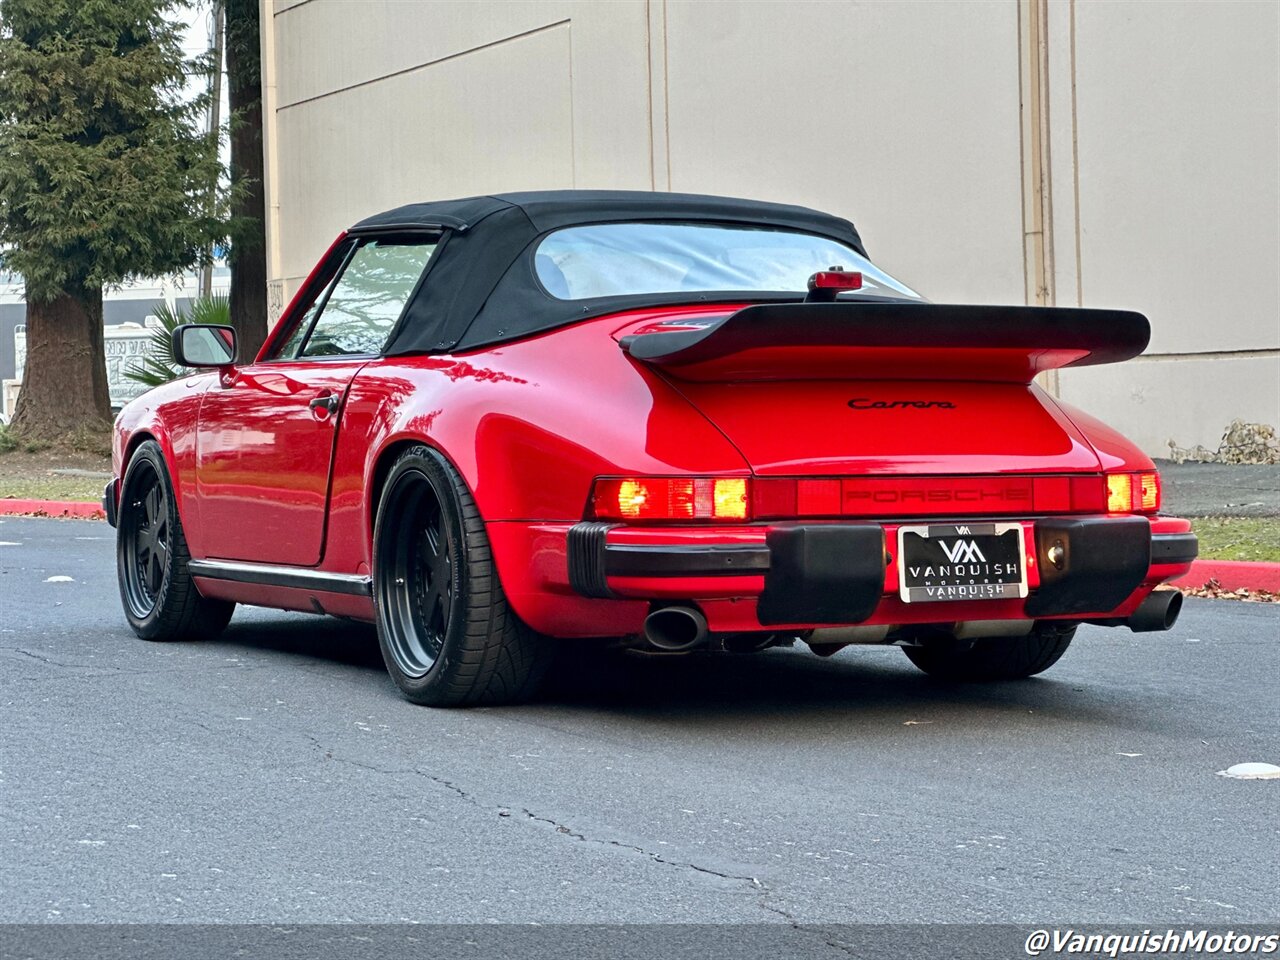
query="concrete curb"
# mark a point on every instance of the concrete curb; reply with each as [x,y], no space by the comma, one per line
[64,509]
[1232,575]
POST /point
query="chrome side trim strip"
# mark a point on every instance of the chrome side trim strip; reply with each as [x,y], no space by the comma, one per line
[273,576]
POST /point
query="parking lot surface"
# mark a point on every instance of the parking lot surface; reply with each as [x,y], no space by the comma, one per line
[276,775]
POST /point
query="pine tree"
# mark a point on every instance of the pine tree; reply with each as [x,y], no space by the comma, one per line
[104,175]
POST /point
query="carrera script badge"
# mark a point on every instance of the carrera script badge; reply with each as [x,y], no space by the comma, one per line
[866,403]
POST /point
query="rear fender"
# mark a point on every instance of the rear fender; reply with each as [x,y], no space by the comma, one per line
[1116,453]
[528,426]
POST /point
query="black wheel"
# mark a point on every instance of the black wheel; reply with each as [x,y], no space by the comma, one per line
[994,658]
[160,599]
[448,637]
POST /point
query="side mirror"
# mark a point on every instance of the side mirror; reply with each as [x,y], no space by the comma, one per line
[204,345]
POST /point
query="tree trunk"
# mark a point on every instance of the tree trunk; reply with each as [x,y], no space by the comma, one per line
[64,383]
[249,247]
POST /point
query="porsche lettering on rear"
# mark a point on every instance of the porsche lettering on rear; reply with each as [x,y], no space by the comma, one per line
[492,424]
[941,495]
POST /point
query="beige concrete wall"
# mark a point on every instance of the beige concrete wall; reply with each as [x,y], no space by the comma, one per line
[1096,153]
[1177,181]
[383,103]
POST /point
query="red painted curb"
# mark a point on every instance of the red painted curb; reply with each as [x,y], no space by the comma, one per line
[52,508]
[1232,575]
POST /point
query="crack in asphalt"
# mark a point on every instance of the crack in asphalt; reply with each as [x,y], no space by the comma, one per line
[107,671]
[810,931]
[43,659]
[657,857]
[531,817]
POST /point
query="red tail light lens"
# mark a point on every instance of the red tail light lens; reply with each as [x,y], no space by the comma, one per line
[670,498]
[880,497]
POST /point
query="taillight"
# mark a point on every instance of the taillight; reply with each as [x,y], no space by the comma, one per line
[730,498]
[1119,493]
[1133,492]
[1147,492]
[670,498]
[738,499]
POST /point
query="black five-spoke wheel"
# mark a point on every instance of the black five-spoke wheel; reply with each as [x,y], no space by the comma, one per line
[159,596]
[419,564]
[447,634]
[146,541]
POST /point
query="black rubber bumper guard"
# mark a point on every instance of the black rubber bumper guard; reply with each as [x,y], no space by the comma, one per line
[109,500]
[813,573]
[834,572]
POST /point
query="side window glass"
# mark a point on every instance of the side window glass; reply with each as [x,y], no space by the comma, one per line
[366,301]
[289,349]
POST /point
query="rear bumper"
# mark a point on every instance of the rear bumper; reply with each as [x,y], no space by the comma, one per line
[845,572]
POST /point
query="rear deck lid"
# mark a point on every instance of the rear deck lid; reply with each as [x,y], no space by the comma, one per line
[887,388]
[855,427]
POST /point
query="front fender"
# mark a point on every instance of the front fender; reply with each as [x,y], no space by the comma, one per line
[169,415]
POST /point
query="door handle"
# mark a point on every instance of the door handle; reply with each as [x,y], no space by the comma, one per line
[328,403]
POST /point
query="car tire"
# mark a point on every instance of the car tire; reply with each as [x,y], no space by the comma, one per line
[994,658]
[447,634]
[159,596]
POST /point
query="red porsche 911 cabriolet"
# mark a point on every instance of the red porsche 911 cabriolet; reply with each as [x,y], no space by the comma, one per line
[669,422]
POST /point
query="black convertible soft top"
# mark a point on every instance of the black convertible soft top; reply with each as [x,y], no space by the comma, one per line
[481,287]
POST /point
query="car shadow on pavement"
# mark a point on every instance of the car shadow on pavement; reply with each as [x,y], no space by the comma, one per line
[347,642]
[790,686]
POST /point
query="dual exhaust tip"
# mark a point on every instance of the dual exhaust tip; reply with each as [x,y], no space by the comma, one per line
[678,627]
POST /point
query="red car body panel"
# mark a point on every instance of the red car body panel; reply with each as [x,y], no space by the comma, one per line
[262,476]
[263,454]
[500,417]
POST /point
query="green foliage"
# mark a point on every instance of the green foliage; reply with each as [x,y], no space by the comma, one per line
[104,173]
[9,442]
[159,366]
[1239,538]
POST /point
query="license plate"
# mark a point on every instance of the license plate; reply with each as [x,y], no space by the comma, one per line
[973,561]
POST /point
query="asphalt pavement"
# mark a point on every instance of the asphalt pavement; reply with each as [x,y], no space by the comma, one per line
[1196,489]
[275,775]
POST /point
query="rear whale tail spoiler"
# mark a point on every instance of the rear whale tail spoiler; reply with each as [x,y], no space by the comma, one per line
[889,341]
